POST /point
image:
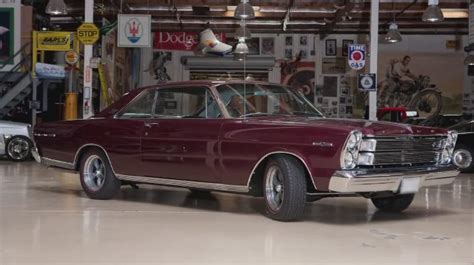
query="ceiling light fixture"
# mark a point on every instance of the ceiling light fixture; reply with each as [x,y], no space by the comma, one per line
[469,60]
[433,12]
[239,56]
[393,35]
[244,10]
[241,47]
[242,32]
[56,7]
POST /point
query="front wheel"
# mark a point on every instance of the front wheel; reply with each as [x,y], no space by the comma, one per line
[97,177]
[18,148]
[396,203]
[284,188]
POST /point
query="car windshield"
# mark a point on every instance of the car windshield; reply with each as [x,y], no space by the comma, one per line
[464,126]
[243,100]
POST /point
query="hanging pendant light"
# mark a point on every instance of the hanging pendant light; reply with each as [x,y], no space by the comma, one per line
[244,10]
[433,12]
[242,32]
[241,47]
[56,7]
[393,35]
[469,60]
[239,56]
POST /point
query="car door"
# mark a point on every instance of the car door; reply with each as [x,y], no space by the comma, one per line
[181,140]
[124,134]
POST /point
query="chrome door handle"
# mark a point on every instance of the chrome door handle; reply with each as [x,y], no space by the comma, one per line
[152,124]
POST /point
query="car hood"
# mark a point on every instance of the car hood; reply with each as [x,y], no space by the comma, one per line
[12,125]
[376,128]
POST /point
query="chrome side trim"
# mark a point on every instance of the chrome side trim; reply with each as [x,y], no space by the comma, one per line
[280,152]
[404,135]
[352,181]
[76,156]
[57,163]
[185,183]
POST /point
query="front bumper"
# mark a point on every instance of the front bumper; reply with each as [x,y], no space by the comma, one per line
[377,180]
[35,154]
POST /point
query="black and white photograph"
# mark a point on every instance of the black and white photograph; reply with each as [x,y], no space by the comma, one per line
[303,40]
[345,46]
[331,47]
[288,53]
[268,46]
[289,40]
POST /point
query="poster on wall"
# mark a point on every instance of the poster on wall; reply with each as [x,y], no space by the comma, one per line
[134,31]
[299,75]
[268,46]
[405,80]
[7,29]
[157,67]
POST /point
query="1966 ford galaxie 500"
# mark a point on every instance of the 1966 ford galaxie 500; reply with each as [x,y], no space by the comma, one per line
[256,138]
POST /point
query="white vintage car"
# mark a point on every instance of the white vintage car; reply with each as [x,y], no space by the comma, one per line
[15,140]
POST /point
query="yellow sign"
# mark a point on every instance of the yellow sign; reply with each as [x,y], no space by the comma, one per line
[71,57]
[103,84]
[88,33]
[53,41]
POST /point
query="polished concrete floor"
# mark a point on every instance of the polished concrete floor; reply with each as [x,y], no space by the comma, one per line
[45,218]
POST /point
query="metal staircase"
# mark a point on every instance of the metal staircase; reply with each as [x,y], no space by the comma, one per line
[15,84]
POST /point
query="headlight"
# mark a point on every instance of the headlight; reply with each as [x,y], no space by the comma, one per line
[448,145]
[350,152]
[368,145]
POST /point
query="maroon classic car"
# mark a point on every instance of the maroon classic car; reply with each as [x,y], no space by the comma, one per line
[254,138]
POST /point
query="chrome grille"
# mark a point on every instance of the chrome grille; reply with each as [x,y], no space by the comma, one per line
[407,150]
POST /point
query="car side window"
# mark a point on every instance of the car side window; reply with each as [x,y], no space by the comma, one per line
[141,107]
[186,102]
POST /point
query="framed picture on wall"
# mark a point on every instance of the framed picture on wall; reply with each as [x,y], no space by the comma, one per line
[345,47]
[303,40]
[289,41]
[268,46]
[331,47]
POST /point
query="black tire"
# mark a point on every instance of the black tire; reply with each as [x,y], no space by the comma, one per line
[287,172]
[108,186]
[419,105]
[21,141]
[466,154]
[395,204]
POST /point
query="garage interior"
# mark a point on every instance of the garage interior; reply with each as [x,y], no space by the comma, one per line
[47,218]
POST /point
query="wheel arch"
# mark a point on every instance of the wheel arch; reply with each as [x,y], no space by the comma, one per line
[256,176]
[83,149]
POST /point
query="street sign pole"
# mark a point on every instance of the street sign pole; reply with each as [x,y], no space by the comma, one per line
[374,39]
[87,109]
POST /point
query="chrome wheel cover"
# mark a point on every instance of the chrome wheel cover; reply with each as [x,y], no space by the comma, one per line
[94,173]
[18,148]
[274,188]
[462,158]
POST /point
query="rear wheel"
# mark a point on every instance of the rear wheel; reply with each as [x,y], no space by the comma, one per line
[396,203]
[462,158]
[284,188]
[18,148]
[97,178]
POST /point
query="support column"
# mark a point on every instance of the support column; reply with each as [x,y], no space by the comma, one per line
[87,110]
[374,39]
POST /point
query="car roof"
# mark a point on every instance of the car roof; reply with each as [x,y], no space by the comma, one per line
[208,83]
